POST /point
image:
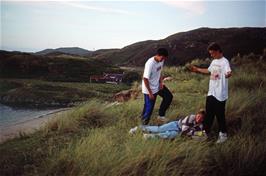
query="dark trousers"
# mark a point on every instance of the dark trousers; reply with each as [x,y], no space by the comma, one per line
[214,108]
[149,104]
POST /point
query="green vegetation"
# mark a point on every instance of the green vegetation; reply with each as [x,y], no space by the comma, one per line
[93,138]
[52,68]
[131,77]
[38,93]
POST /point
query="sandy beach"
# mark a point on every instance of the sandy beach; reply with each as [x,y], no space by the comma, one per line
[29,126]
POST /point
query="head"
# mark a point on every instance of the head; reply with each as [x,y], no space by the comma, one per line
[161,54]
[215,50]
[200,116]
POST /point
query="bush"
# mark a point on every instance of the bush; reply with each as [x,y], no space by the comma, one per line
[131,76]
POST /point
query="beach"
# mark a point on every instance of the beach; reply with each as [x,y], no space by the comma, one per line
[29,126]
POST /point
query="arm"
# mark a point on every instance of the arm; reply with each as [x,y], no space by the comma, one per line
[147,84]
[228,71]
[184,133]
[161,82]
[189,132]
[199,70]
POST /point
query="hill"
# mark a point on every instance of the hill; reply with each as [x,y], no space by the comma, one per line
[32,93]
[186,46]
[60,67]
[68,50]
[93,139]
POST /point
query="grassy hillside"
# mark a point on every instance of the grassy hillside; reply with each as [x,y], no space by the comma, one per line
[42,94]
[185,46]
[53,68]
[68,50]
[93,138]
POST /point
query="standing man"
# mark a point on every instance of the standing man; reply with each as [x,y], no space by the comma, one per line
[152,86]
[218,90]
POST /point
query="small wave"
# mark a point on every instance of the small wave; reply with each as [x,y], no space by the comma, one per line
[12,116]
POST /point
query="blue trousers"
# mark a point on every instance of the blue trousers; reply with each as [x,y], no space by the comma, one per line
[167,131]
[149,104]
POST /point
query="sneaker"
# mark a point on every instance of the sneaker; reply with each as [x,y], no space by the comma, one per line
[133,130]
[148,136]
[222,138]
[162,118]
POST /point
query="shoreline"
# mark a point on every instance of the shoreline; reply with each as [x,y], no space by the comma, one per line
[28,126]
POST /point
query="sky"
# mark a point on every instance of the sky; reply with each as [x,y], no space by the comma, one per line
[32,26]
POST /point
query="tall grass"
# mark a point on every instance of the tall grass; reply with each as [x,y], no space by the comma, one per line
[93,139]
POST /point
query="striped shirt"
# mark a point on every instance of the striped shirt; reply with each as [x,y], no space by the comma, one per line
[189,123]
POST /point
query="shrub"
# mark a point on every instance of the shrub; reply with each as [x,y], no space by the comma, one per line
[131,76]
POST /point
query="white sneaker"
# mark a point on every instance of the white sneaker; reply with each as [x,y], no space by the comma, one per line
[148,136]
[222,138]
[162,118]
[133,130]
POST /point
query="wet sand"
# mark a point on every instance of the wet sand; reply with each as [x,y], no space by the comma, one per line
[29,126]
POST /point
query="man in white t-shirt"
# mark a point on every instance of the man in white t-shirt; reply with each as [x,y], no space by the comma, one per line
[152,86]
[218,90]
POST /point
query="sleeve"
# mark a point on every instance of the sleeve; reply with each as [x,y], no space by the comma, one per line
[227,67]
[147,70]
[185,127]
[192,119]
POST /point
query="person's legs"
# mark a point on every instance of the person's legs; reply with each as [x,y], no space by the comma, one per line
[149,128]
[168,134]
[171,126]
[147,109]
[220,115]
[167,99]
[210,112]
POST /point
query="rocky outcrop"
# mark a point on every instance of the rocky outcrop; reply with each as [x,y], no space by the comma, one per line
[126,95]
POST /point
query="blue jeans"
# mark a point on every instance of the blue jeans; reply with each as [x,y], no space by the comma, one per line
[167,131]
[149,104]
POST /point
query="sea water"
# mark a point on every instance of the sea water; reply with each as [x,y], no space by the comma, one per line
[11,116]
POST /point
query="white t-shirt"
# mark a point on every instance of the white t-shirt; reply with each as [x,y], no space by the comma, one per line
[218,85]
[152,72]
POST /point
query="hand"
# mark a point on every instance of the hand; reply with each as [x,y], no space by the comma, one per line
[151,96]
[161,85]
[228,74]
[193,68]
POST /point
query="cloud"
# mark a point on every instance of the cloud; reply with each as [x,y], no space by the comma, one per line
[79,4]
[96,8]
[190,7]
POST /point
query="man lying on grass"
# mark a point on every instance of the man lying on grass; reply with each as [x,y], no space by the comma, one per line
[190,126]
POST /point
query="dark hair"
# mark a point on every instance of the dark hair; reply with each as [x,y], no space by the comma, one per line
[162,52]
[214,47]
